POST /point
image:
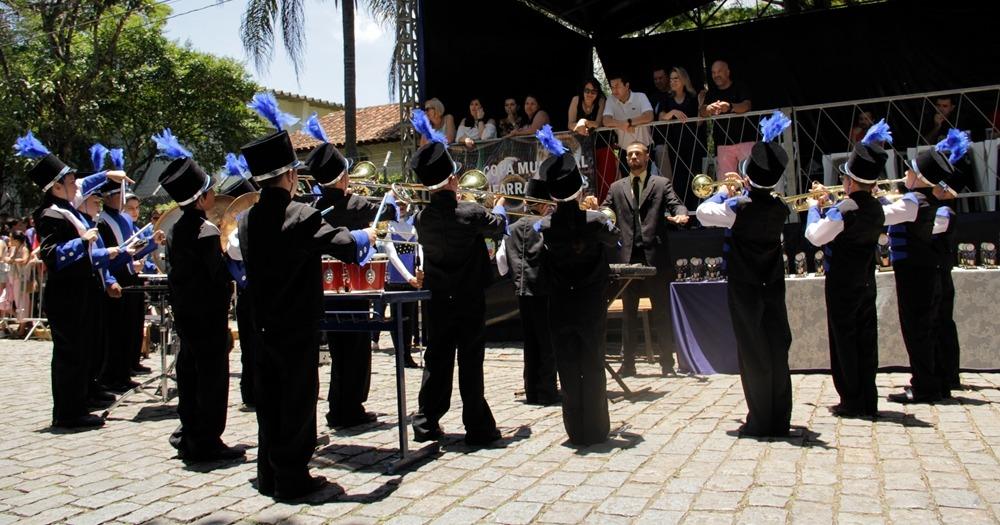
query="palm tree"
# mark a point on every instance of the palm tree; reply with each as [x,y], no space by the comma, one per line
[257,31]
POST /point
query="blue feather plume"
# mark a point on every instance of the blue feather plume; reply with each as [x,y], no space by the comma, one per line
[169,146]
[956,144]
[879,132]
[549,140]
[423,126]
[234,168]
[118,158]
[30,147]
[314,129]
[97,153]
[267,106]
[772,127]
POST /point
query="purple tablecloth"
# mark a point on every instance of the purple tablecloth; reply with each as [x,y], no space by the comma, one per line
[702,328]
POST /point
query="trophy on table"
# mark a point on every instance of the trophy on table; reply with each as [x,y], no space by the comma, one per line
[784,263]
[800,265]
[682,270]
[697,269]
[713,268]
[988,252]
[966,255]
[820,264]
[883,253]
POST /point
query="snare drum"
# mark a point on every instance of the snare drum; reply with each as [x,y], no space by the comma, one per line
[369,277]
[335,276]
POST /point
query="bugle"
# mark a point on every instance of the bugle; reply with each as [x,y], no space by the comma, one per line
[703,186]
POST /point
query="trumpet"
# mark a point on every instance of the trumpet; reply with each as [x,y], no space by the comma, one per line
[703,186]
[800,201]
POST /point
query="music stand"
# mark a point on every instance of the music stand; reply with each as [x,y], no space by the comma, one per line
[165,375]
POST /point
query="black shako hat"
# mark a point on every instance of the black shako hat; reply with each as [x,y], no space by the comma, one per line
[48,171]
[184,181]
[537,188]
[932,166]
[270,156]
[327,165]
[562,177]
[866,164]
[433,165]
[765,165]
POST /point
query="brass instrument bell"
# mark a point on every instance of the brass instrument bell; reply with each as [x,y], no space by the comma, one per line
[703,186]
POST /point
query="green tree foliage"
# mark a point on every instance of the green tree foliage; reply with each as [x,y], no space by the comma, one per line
[724,12]
[81,71]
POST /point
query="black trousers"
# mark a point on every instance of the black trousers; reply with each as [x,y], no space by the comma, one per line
[135,305]
[454,324]
[124,334]
[248,347]
[96,339]
[853,328]
[409,324]
[578,321]
[287,388]
[948,332]
[202,383]
[539,356]
[657,290]
[918,291]
[350,370]
[70,355]
[760,322]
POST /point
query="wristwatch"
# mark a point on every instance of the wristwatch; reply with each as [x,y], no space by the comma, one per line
[629,122]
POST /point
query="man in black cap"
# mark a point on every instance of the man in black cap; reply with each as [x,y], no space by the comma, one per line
[287,295]
[201,289]
[457,272]
[575,268]
[350,352]
[65,247]
[848,233]
[756,288]
[648,207]
[520,255]
[916,263]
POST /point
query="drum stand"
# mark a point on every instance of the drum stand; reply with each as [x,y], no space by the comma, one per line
[166,369]
[627,392]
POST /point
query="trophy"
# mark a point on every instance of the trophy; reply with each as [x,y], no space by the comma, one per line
[988,252]
[682,270]
[966,255]
[820,263]
[800,265]
[697,269]
[883,253]
[713,268]
[784,263]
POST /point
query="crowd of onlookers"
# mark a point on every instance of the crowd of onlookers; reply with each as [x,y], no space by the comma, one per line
[19,264]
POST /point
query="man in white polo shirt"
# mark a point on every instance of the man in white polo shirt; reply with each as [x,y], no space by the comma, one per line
[625,111]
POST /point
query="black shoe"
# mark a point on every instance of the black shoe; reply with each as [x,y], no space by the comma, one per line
[348,422]
[408,362]
[266,488]
[627,370]
[301,489]
[433,435]
[221,453]
[478,440]
[846,412]
[99,404]
[544,401]
[140,370]
[121,388]
[908,396]
[667,371]
[100,395]
[84,421]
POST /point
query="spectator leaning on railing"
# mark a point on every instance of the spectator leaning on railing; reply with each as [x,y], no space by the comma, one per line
[686,140]
[441,121]
[513,119]
[733,136]
[475,125]
[625,111]
[536,117]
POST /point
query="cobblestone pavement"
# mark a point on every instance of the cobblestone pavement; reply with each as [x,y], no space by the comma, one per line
[674,459]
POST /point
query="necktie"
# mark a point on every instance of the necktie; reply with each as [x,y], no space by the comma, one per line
[636,221]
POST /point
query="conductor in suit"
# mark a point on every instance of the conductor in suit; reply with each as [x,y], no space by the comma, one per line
[646,207]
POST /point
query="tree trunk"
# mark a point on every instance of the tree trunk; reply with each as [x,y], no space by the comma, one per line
[350,102]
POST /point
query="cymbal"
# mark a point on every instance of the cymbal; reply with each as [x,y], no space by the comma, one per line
[169,218]
[230,217]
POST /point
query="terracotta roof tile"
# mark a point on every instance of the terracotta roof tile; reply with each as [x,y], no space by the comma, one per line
[375,124]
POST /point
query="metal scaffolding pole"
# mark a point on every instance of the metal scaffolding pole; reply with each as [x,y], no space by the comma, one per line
[407,78]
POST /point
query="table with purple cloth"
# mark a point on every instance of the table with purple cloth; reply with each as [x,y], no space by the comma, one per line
[706,344]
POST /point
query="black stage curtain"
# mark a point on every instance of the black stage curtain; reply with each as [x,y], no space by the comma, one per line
[494,50]
[894,48]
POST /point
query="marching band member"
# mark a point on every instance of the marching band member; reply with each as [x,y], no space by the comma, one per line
[200,291]
[287,295]
[350,352]
[457,271]
[848,234]
[520,255]
[575,270]
[404,273]
[943,237]
[917,267]
[237,167]
[754,221]
[65,245]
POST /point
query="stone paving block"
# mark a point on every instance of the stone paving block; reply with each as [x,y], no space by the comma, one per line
[149,512]
[957,498]
[516,513]
[460,516]
[103,514]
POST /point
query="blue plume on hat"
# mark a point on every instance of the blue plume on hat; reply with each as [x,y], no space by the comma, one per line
[169,146]
[97,153]
[879,132]
[423,126]
[30,147]
[314,129]
[549,140]
[236,166]
[956,144]
[118,158]
[267,106]
[773,126]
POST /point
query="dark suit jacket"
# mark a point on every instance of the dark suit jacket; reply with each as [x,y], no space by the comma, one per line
[658,202]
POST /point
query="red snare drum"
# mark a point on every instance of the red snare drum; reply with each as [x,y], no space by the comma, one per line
[335,276]
[370,277]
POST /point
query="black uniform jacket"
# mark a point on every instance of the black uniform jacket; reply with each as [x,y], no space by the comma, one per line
[753,253]
[282,242]
[353,212]
[658,202]
[453,234]
[576,244]
[201,286]
[524,253]
[851,257]
[64,253]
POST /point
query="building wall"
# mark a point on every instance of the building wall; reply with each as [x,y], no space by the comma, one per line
[303,108]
